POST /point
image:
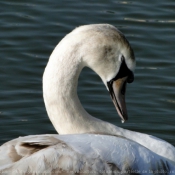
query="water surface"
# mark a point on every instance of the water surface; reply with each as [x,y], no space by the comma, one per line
[29,33]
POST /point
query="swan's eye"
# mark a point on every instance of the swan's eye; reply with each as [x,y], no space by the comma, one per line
[124,71]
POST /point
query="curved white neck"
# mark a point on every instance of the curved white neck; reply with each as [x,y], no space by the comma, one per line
[60,81]
[60,95]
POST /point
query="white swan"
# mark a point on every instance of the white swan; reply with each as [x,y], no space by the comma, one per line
[90,145]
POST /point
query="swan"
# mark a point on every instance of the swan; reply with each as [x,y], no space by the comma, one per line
[85,144]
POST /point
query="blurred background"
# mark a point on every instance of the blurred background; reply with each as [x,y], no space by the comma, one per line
[30,31]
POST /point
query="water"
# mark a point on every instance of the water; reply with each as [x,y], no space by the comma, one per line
[30,31]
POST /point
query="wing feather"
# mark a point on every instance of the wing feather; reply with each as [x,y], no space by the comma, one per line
[79,154]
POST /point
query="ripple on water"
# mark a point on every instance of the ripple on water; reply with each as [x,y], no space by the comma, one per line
[30,31]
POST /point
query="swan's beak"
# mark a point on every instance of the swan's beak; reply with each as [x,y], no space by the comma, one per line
[117,89]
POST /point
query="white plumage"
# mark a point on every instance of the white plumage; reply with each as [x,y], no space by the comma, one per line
[83,154]
[86,144]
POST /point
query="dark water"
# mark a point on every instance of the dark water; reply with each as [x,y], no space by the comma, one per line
[30,30]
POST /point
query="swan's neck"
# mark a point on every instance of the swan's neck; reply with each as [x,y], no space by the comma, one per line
[60,91]
[60,82]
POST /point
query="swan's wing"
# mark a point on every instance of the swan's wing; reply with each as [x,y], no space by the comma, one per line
[52,155]
[86,153]
[16,149]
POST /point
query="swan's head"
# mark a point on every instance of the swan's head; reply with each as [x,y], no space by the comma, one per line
[109,54]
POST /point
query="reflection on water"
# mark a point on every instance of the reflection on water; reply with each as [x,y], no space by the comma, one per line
[149,21]
[30,31]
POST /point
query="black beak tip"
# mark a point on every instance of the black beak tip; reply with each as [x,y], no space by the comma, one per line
[125,118]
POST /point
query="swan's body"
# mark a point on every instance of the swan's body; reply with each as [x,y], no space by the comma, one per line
[82,154]
[104,49]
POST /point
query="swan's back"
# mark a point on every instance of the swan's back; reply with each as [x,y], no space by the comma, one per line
[83,153]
